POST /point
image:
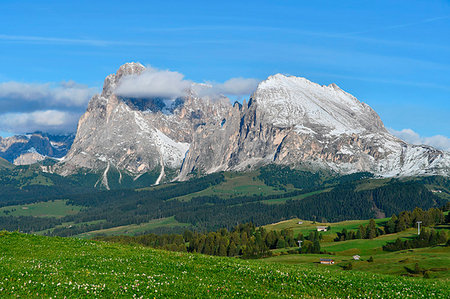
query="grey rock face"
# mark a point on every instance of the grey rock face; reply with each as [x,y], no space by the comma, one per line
[34,147]
[288,121]
[137,135]
[292,121]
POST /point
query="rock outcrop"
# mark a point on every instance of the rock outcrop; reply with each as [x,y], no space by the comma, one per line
[34,147]
[288,121]
[138,135]
[292,121]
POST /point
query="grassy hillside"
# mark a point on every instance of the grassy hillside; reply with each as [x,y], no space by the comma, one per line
[54,208]
[35,266]
[5,164]
[164,224]
[237,184]
[307,226]
[436,260]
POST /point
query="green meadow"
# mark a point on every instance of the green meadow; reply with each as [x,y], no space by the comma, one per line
[36,266]
[436,260]
[134,229]
[54,208]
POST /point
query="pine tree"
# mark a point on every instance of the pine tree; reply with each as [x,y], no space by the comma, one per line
[316,247]
[362,232]
[232,249]
[281,243]
[371,230]
[400,225]
[390,225]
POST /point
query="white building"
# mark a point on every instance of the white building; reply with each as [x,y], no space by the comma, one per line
[322,228]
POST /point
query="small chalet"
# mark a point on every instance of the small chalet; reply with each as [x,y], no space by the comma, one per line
[356,257]
[327,261]
[322,228]
[300,222]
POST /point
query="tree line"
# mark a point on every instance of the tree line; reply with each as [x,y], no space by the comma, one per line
[244,240]
[395,224]
[426,238]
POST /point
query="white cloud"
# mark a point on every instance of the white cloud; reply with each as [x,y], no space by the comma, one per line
[45,120]
[437,141]
[47,95]
[237,86]
[164,83]
[153,83]
[232,87]
[27,107]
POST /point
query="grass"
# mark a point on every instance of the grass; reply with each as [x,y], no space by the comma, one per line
[236,184]
[365,246]
[434,259]
[134,229]
[307,226]
[5,164]
[372,184]
[36,266]
[302,196]
[54,208]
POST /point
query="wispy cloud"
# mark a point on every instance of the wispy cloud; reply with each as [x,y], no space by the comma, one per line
[437,141]
[356,35]
[404,25]
[104,43]
[59,40]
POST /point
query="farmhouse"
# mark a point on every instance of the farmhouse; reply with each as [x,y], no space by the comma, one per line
[300,222]
[356,257]
[322,228]
[327,261]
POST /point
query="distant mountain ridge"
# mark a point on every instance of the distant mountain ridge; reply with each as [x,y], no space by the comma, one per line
[288,121]
[34,147]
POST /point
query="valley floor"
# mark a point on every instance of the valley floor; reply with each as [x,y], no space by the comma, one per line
[36,266]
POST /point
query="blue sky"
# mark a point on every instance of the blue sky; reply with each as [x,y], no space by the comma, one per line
[393,55]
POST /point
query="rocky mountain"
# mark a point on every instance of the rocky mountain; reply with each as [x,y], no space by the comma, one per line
[288,120]
[135,136]
[31,148]
[293,121]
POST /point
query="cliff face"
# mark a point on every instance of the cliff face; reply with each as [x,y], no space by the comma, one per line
[137,135]
[288,120]
[292,121]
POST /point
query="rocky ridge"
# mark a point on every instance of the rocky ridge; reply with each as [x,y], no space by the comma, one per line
[287,121]
[137,135]
[293,121]
[34,147]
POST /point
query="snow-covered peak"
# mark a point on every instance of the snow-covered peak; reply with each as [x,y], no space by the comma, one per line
[289,101]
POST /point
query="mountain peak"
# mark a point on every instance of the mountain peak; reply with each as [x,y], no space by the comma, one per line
[130,68]
[296,102]
[112,81]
